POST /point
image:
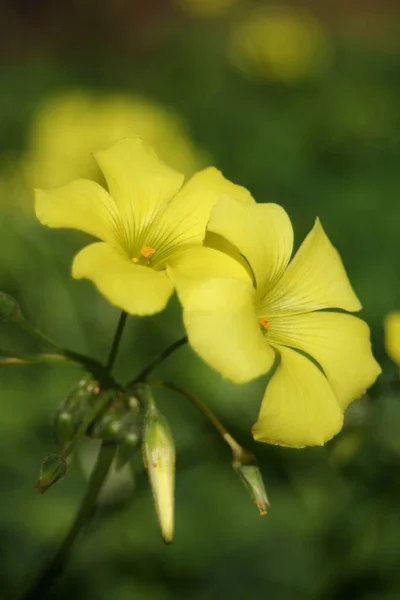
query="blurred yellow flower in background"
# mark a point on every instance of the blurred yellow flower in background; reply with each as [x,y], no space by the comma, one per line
[207,8]
[240,325]
[279,43]
[71,126]
[391,327]
[147,220]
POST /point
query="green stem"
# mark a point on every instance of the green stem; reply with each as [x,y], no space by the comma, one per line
[236,448]
[85,513]
[37,334]
[90,364]
[116,341]
[142,376]
[46,359]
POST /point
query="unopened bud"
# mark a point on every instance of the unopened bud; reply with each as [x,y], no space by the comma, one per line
[54,468]
[246,467]
[159,459]
[9,309]
[73,411]
[64,428]
[107,428]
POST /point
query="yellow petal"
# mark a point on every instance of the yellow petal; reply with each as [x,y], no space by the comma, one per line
[262,233]
[222,326]
[192,267]
[137,179]
[340,343]
[186,216]
[391,327]
[82,205]
[136,289]
[315,278]
[299,407]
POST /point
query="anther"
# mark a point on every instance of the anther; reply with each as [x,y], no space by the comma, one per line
[265,323]
[147,251]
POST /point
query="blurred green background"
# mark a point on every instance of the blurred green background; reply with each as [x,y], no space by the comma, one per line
[299,103]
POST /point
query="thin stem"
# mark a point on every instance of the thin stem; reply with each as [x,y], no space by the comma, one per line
[157,361]
[116,342]
[47,359]
[36,333]
[236,448]
[85,513]
[90,364]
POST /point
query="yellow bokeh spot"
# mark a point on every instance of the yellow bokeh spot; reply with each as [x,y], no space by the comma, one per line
[280,43]
[69,127]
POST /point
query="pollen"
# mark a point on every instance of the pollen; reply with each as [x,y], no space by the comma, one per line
[265,323]
[147,251]
[135,260]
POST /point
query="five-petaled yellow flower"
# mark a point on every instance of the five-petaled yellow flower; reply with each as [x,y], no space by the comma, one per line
[240,323]
[391,326]
[146,221]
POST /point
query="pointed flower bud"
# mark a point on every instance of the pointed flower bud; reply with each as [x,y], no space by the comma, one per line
[9,309]
[159,459]
[246,467]
[54,468]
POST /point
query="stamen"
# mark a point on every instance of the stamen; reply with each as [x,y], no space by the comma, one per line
[147,251]
[265,323]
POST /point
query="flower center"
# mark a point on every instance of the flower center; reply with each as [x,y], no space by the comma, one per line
[265,323]
[146,253]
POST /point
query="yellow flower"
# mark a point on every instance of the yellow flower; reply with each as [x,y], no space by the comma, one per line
[240,325]
[280,43]
[145,222]
[391,326]
[70,126]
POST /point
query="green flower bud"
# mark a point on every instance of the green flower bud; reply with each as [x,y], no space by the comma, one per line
[64,428]
[9,309]
[107,428]
[74,410]
[246,467]
[159,459]
[54,468]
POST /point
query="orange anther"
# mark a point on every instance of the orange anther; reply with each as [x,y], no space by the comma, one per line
[264,322]
[135,260]
[147,251]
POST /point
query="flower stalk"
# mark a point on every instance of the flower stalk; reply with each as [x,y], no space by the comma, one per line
[84,515]
[143,375]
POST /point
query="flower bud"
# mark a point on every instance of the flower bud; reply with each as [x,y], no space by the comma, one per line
[9,309]
[54,468]
[64,428]
[107,428]
[159,459]
[246,467]
[73,411]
